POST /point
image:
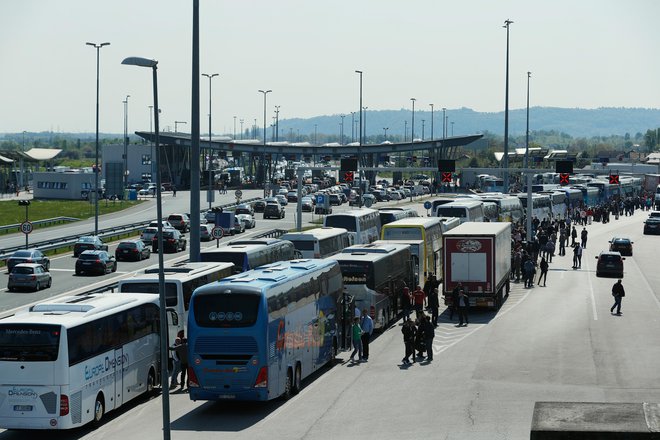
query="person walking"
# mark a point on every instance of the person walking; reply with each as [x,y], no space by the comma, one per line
[573,236]
[562,242]
[579,255]
[543,265]
[463,304]
[406,304]
[176,360]
[429,334]
[434,305]
[618,292]
[454,300]
[367,325]
[583,237]
[575,256]
[182,353]
[418,299]
[550,250]
[173,191]
[356,336]
[409,331]
[529,272]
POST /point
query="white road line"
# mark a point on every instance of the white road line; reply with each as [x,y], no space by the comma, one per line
[648,286]
[591,294]
[52,269]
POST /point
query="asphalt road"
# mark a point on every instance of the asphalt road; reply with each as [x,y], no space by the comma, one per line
[555,343]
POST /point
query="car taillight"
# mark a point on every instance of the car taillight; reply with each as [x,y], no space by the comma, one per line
[64,405]
[98,261]
[192,378]
[135,250]
[29,260]
[33,277]
[170,240]
[262,378]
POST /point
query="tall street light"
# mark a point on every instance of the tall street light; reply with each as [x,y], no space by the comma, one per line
[505,162]
[265,92]
[151,144]
[96,163]
[341,130]
[412,126]
[423,121]
[234,128]
[529,175]
[241,121]
[364,124]
[359,149]
[352,127]
[125,102]
[153,64]
[431,121]
[385,132]
[277,123]
[210,194]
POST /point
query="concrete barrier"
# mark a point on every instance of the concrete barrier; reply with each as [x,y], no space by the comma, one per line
[595,421]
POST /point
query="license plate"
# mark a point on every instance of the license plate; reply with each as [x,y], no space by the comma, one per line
[86,263]
[22,407]
[609,265]
[125,251]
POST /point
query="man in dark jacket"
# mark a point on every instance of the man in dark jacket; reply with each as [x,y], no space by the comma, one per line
[429,334]
[434,305]
[617,292]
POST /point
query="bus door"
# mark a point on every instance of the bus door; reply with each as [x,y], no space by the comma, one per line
[120,368]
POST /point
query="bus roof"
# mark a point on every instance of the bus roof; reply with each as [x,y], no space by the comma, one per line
[262,241]
[178,270]
[316,233]
[413,222]
[374,248]
[70,311]
[478,228]
[364,255]
[354,212]
[462,203]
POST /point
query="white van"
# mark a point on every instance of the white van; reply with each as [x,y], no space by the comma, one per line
[465,210]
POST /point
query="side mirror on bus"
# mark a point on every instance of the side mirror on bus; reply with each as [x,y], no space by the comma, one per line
[173,317]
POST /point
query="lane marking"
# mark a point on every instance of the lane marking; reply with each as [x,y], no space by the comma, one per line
[591,293]
[648,285]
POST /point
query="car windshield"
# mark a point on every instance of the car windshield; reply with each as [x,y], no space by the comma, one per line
[608,258]
[86,240]
[86,256]
[621,242]
[22,254]
[127,245]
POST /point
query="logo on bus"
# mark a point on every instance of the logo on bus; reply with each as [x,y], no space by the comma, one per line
[468,245]
[22,393]
[225,316]
[103,367]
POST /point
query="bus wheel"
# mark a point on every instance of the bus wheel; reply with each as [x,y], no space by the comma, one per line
[151,382]
[288,386]
[99,409]
[297,379]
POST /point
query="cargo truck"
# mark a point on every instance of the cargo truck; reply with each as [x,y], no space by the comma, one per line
[478,255]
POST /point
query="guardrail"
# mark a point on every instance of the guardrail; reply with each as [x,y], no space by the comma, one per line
[62,242]
[273,233]
[47,221]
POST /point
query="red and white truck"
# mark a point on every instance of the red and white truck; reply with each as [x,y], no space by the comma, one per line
[478,255]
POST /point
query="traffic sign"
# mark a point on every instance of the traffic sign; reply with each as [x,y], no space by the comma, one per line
[347,175]
[238,193]
[614,179]
[217,232]
[320,199]
[428,205]
[446,177]
[26,227]
[564,178]
[368,202]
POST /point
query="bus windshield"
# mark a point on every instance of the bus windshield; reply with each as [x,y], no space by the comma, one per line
[237,258]
[402,234]
[29,342]
[303,245]
[451,212]
[341,221]
[226,310]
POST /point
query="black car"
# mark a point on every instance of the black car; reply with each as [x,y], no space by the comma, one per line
[622,245]
[173,241]
[88,243]
[95,262]
[259,205]
[134,250]
[609,264]
[274,210]
[652,226]
[28,256]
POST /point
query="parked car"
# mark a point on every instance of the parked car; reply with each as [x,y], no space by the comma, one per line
[205,232]
[87,243]
[148,234]
[244,208]
[239,226]
[144,192]
[292,196]
[259,205]
[95,262]
[134,250]
[274,210]
[248,221]
[31,276]
[307,204]
[622,245]
[335,200]
[609,264]
[652,226]
[282,199]
[166,224]
[28,256]
[179,221]
[173,241]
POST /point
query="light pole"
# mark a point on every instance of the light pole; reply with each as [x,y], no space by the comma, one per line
[385,131]
[452,128]
[405,130]
[341,130]
[277,123]
[210,194]
[364,124]
[412,126]
[153,64]
[125,102]
[431,121]
[241,121]
[96,163]
[423,121]
[359,149]
[265,92]
[234,128]
[505,162]
[529,175]
[151,144]
[315,141]
[21,167]
[176,125]
[352,127]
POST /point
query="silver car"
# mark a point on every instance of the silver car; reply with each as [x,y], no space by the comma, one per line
[31,276]
[247,220]
[205,232]
[148,234]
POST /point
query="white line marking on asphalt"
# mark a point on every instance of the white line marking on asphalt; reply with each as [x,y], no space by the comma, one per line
[648,286]
[591,293]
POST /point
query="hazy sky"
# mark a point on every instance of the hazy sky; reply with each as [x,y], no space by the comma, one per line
[582,53]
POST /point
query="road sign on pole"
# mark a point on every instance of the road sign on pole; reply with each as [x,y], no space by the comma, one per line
[238,193]
[217,232]
[26,227]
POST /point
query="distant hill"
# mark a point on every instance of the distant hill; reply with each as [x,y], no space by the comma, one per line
[573,121]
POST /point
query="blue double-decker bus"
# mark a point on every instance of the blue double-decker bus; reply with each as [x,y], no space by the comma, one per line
[258,334]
